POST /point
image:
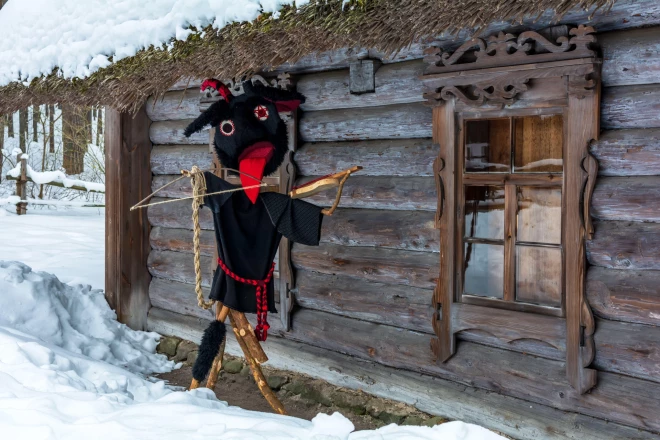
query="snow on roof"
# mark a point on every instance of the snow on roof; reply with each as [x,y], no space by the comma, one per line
[79,37]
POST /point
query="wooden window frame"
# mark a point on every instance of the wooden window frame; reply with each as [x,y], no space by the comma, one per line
[556,72]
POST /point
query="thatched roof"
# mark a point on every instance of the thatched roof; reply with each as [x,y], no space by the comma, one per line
[241,48]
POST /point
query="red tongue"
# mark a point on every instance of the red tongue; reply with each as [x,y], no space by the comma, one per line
[252,163]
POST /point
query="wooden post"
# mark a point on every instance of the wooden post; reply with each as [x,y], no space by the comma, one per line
[128,180]
[21,186]
[258,375]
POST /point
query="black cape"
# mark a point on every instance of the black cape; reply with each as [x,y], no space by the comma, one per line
[248,236]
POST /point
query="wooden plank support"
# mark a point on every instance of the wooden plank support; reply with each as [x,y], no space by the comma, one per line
[514,417]
[128,180]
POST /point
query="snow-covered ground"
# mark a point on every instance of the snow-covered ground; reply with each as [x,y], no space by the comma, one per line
[69,243]
[68,370]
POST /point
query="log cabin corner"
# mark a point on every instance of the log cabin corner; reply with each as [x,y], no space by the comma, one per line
[497,260]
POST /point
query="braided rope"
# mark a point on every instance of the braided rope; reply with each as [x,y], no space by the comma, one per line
[199,189]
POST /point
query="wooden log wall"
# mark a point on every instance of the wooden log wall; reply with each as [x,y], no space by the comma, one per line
[366,290]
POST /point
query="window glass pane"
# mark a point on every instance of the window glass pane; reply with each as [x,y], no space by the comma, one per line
[484,212]
[538,275]
[484,270]
[538,144]
[539,214]
[488,145]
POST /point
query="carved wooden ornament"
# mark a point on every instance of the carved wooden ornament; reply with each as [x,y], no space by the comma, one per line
[509,76]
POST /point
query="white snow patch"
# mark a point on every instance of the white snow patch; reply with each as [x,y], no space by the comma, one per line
[45,177]
[69,244]
[76,318]
[78,37]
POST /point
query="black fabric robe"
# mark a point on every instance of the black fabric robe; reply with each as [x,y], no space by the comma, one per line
[248,236]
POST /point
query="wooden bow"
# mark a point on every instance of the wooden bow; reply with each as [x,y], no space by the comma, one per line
[336,180]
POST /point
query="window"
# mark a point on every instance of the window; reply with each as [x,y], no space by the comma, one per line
[511,180]
[513,117]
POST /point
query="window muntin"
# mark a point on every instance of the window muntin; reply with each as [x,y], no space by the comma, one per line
[512,219]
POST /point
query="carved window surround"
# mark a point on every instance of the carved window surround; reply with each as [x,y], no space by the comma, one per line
[512,76]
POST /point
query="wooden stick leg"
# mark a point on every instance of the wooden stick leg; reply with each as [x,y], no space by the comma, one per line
[247,333]
[215,369]
[258,375]
[221,313]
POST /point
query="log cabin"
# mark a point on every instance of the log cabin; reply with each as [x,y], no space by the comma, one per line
[497,260]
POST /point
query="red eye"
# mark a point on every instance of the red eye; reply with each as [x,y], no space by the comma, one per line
[227,127]
[261,112]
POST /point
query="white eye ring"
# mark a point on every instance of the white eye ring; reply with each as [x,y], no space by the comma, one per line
[261,113]
[223,127]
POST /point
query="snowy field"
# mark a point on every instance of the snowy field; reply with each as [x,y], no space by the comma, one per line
[68,243]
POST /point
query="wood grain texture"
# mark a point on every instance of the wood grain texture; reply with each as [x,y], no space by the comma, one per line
[409,230]
[389,266]
[128,181]
[631,107]
[171,159]
[171,132]
[182,188]
[386,122]
[511,416]
[178,297]
[618,398]
[630,349]
[391,193]
[395,84]
[399,306]
[630,296]
[181,240]
[630,56]
[397,157]
[627,198]
[625,245]
[634,152]
[177,266]
[177,215]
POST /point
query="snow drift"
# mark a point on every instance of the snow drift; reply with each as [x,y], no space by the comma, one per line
[68,370]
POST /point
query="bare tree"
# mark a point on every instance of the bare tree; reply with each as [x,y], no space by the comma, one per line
[75,137]
[36,116]
[22,130]
[99,126]
[10,125]
[51,128]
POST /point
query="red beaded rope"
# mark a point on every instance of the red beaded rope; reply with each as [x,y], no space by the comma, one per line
[261,331]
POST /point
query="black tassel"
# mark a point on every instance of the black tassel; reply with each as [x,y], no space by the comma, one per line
[208,349]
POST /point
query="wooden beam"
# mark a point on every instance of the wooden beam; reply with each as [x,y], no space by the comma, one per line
[625,245]
[627,198]
[390,266]
[625,295]
[513,417]
[631,107]
[128,180]
[634,152]
[396,157]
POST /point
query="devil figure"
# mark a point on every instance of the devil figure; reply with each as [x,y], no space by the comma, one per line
[250,137]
